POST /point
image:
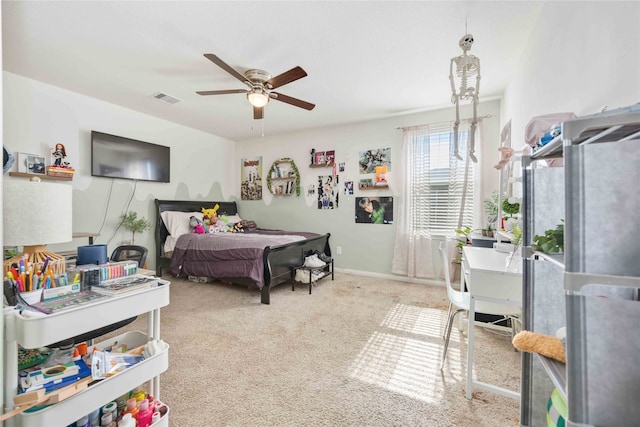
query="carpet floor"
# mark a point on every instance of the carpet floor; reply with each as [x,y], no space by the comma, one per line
[359,351]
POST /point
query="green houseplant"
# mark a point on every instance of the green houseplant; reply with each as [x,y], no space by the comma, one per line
[491,209]
[131,222]
[552,242]
[510,208]
[462,240]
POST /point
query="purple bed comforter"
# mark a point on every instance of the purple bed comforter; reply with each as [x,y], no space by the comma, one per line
[229,255]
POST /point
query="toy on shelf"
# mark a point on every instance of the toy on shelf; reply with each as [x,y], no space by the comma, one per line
[60,168]
[546,345]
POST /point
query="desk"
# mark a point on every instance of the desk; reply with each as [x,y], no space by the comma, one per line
[484,271]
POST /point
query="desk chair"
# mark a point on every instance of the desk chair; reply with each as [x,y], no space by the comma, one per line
[130,252]
[461,302]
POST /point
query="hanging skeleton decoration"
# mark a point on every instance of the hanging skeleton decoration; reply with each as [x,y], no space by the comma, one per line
[467,67]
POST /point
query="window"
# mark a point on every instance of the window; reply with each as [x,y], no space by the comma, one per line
[435,185]
[438,181]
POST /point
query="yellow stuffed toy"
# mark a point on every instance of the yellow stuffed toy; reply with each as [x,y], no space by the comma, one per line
[546,345]
[210,216]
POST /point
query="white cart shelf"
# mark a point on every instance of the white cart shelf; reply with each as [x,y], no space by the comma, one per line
[33,332]
[591,289]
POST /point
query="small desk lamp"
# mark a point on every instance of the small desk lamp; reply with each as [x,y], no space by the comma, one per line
[36,214]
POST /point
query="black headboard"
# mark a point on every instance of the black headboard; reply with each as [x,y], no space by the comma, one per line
[226,208]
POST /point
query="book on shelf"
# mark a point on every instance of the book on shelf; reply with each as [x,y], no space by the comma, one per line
[124,284]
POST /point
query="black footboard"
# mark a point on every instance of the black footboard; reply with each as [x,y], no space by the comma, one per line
[279,261]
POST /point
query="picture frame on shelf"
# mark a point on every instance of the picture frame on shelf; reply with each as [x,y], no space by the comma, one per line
[381,176]
[366,183]
[330,157]
[34,164]
[320,159]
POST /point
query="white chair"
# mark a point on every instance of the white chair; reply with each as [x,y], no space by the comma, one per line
[460,300]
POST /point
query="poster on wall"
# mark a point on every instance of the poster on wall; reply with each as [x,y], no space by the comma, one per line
[251,178]
[370,159]
[328,192]
[374,210]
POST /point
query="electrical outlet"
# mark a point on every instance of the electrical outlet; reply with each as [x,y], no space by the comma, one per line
[339,250]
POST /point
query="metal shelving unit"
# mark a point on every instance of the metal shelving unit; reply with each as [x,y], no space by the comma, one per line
[593,288]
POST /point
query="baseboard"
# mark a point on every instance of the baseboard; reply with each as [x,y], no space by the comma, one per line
[432,282]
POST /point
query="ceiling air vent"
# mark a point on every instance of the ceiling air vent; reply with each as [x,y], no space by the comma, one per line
[160,96]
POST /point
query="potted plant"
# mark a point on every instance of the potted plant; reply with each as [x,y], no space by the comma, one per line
[462,240]
[511,213]
[491,208]
[131,222]
[489,230]
[514,259]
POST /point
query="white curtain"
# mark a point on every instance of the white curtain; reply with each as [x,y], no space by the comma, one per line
[413,252]
[427,156]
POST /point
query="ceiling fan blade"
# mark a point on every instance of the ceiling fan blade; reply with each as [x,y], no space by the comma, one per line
[220,63]
[286,77]
[221,92]
[293,101]
[258,113]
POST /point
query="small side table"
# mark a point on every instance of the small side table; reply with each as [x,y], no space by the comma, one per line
[324,272]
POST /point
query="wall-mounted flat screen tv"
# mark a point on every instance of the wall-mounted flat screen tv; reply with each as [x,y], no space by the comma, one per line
[119,157]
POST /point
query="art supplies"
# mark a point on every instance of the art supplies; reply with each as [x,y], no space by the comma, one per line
[124,284]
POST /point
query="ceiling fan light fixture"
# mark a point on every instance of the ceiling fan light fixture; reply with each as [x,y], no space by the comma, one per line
[258,98]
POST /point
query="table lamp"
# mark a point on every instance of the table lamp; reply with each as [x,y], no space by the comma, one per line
[35,214]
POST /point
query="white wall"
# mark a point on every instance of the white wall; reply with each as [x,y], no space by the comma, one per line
[37,116]
[580,57]
[365,247]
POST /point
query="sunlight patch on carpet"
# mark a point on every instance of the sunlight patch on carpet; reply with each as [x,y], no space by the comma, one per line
[402,365]
[416,320]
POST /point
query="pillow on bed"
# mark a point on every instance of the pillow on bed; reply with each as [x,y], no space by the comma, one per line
[177,223]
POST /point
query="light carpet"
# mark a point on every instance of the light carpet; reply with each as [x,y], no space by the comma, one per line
[359,351]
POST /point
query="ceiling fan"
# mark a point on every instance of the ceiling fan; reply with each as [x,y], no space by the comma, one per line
[261,86]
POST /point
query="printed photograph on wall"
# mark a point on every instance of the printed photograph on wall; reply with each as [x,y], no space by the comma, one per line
[348,188]
[368,160]
[251,178]
[328,192]
[374,210]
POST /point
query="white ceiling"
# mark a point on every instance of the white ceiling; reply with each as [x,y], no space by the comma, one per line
[365,60]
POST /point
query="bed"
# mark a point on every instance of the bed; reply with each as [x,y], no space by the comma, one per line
[255,257]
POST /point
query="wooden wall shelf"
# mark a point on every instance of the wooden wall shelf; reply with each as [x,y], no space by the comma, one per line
[44,177]
[375,187]
[321,165]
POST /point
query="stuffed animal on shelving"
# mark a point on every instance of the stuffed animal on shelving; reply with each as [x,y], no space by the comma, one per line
[546,345]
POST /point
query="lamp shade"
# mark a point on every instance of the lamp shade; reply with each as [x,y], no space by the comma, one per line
[36,213]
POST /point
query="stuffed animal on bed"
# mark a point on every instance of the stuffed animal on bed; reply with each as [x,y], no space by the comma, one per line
[196,225]
[219,226]
[210,216]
